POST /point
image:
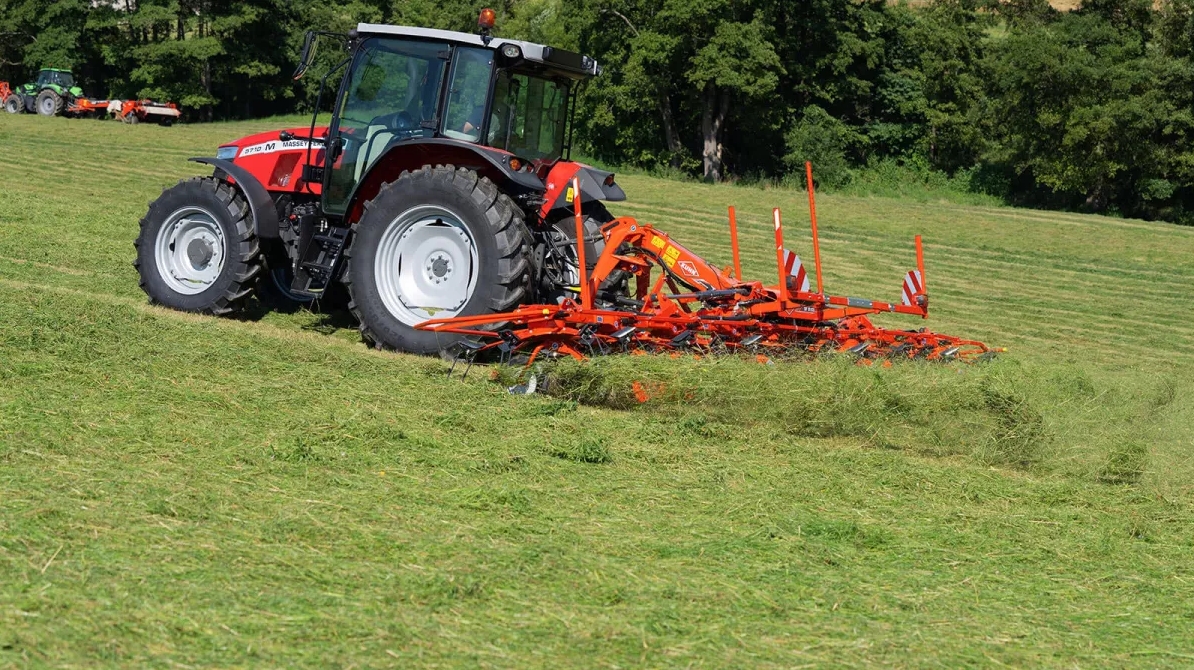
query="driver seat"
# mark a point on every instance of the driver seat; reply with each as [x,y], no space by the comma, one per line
[377,139]
[378,136]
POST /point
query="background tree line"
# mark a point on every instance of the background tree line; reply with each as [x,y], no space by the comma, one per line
[1089,109]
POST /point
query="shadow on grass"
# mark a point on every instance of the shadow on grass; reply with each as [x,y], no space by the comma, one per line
[330,311]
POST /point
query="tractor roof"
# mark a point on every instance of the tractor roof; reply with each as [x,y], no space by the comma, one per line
[556,58]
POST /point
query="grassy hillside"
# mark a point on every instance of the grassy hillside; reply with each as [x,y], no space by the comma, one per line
[184,490]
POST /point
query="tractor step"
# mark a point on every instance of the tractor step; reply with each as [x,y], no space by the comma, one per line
[320,256]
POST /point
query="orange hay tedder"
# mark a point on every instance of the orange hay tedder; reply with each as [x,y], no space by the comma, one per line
[692,306]
[128,111]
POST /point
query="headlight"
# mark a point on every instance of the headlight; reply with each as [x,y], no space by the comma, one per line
[511,51]
[227,153]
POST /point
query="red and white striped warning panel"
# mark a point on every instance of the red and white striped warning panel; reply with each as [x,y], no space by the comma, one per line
[793,267]
[913,286]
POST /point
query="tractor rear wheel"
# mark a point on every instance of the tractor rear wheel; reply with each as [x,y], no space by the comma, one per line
[14,105]
[435,243]
[49,103]
[559,274]
[197,251]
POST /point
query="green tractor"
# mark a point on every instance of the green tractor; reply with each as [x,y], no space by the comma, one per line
[53,91]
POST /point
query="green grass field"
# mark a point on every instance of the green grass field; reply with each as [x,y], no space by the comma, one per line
[186,491]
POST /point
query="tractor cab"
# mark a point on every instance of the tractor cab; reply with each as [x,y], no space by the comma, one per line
[50,77]
[501,107]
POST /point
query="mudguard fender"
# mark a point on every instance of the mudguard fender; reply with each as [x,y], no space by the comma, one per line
[261,205]
[595,185]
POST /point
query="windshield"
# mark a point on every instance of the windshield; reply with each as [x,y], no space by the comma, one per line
[64,79]
[391,95]
[529,115]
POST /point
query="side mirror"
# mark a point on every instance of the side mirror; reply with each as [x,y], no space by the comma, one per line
[306,56]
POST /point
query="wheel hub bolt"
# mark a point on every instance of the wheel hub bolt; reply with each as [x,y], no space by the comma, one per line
[200,253]
[440,267]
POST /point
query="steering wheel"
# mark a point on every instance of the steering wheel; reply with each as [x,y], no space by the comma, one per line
[397,122]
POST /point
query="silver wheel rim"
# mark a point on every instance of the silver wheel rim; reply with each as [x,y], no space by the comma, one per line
[47,105]
[190,251]
[426,265]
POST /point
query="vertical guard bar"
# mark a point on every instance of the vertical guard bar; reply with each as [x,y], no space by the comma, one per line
[920,266]
[734,244]
[812,210]
[586,293]
[779,254]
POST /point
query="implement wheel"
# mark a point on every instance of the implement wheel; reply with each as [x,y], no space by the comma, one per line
[49,103]
[197,251]
[436,243]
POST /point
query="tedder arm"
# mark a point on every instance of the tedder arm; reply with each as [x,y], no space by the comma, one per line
[681,302]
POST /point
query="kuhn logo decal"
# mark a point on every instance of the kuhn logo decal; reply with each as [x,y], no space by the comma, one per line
[689,268]
[274,146]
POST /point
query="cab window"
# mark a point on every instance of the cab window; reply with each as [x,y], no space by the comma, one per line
[468,90]
[529,116]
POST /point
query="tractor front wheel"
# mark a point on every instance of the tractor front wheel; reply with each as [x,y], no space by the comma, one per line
[49,103]
[197,251]
[435,243]
[14,104]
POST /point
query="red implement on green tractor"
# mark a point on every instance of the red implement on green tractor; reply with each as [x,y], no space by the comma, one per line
[54,93]
[441,196]
[11,102]
[127,111]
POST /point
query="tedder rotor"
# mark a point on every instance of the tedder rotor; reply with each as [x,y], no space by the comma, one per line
[682,303]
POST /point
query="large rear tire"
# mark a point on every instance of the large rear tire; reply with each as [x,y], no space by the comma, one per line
[435,243]
[14,105]
[49,103]
[197,251]
[559,276]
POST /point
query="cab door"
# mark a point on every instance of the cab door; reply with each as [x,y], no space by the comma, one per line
[391,94]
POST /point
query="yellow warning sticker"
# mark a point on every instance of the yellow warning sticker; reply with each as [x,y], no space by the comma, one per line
[658,242]
[568,195]
[670,255]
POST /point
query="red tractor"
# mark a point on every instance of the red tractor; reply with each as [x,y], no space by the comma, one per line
[441,187]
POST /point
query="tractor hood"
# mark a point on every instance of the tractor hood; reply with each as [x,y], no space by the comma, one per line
[266,143]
